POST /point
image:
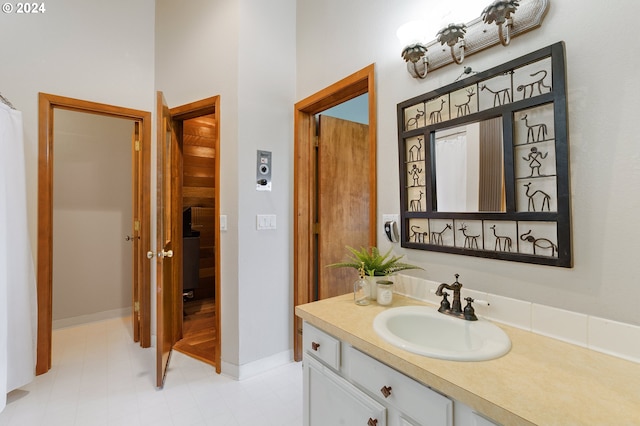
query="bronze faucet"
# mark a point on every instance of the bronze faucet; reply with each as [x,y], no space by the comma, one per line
[455,309]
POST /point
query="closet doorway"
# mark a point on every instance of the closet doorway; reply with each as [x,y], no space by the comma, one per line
[200,161]
[139,222]
[188,303]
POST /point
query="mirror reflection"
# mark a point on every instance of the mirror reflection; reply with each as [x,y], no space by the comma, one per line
[468,164]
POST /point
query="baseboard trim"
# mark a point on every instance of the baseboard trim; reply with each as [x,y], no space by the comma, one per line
[254,368]
[85,319]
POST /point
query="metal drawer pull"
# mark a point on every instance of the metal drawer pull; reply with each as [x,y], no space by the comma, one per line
[372,422]
[386,391]
[315,346]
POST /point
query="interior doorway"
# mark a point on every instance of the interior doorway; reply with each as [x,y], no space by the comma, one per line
[140,222]
[92,276]
[308,213]
[199,223]
[188,229]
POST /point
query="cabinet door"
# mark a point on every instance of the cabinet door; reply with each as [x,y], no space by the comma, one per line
[411,398]
[331,400]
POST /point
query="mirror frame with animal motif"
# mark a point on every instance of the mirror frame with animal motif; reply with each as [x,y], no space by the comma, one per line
[534,224]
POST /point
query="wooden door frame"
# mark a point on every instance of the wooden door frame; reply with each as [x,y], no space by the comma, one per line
[178,115]
[46,105]
[304,172]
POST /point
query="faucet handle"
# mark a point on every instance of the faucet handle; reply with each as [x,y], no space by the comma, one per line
[468,312]
[444,304]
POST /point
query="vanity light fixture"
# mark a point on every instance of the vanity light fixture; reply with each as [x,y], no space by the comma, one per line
[500,12]
[450,35]
[422,55]
[414,52]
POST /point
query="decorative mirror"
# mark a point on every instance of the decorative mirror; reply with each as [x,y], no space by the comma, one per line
[484,164]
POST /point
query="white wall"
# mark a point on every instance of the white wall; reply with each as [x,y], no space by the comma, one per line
[244,51]
[604,160]
[86,49]
[92,213]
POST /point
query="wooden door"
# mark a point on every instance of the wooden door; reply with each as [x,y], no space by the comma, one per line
[343,200]
[168,291]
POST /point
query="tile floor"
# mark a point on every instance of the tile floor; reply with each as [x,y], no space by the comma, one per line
[100,377]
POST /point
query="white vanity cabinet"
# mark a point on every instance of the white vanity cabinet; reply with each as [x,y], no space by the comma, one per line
[344,386]
[329,399]
[409,402]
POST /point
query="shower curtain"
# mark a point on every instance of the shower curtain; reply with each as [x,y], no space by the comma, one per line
[18,313]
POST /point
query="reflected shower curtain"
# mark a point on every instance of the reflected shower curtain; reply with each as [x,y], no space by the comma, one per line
[451,173]
[18,313]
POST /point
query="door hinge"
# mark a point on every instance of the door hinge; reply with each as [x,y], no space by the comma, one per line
[316,228]
[137,145]
[315,141]
[136,225]
[136,307]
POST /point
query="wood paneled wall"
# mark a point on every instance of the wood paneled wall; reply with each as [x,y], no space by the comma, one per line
[198,191]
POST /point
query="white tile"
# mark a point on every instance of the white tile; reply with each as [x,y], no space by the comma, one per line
[417,288]
[509,311]
[614,338]
[101,377]
[560,324]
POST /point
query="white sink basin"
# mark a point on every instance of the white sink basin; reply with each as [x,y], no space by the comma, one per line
[425,331]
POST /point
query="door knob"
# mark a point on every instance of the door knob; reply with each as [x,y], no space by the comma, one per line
[150,255]
[168,253]
[131,238]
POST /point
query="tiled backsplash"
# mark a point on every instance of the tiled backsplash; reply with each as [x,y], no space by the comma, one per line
[599,334]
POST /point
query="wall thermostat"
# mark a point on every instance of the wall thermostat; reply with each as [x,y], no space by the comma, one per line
[263,172]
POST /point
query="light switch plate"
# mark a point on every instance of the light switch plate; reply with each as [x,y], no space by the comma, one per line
[223,222]
[265,222]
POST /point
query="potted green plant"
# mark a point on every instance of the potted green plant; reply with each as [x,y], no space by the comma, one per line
[374,263]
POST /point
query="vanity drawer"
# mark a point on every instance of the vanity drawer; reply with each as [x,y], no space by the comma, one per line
[321,346]
[414,399]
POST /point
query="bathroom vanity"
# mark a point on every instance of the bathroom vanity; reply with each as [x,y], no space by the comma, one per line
[350,373]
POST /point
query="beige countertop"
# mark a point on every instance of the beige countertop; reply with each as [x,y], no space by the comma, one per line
[541,381]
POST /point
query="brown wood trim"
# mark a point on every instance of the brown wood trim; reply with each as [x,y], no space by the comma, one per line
[360,82]
[46,105]
[136,166]
[196,109]
[45,234]
[373,157]
[145,231]
[192,110]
